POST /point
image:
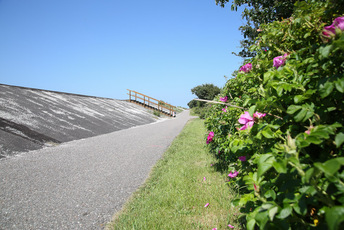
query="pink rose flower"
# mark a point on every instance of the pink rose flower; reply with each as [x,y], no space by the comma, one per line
[279,60]
[224,99]
[231,226]
[327,34]
[246,68]
[210,137]
[225,109]
[232,175]
[339,23]
[246,120]
[330,31]
[242,158]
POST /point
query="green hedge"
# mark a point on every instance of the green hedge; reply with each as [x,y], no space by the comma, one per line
[283,142]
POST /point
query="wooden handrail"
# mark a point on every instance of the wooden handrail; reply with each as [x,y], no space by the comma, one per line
[149,97]
[149,101]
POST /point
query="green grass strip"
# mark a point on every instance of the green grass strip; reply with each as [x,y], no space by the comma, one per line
[178,188]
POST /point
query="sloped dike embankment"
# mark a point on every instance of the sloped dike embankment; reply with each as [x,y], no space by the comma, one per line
[31,118]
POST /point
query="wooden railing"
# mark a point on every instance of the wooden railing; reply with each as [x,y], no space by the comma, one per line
[151,103]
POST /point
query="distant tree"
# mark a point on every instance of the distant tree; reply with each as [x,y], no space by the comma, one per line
[205,91]
[257,12]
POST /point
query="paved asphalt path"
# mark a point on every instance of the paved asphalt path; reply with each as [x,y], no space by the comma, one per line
[81,184]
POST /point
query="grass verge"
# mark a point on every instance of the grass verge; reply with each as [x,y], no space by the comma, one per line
[178,188]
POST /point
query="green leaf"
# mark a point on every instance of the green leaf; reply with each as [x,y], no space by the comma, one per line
[301,140]
[317,135]
[330,109]
[252,110]
[339,139]
[268,76]
[272,212]
[330,167]
[262,219]
[307,35]
[340,85]
[265,163]
[266,206]
[339,43]
[308,175]
[280,166]
[313,139]
[334,216]
[300,207]
[325,51]
[246,101]
[250,224]
[322,131]
[306,111]
[285,212]
[300,115]
[279,90]
[270,193]
[299,98]
[293,108]
[267,132]
[246,198]
[326,89]
[310,190]
[235,202]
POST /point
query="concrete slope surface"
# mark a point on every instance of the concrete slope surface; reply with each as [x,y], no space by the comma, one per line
[81,184]
[31,119]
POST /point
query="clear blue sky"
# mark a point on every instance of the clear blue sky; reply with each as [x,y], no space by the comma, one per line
[103,47]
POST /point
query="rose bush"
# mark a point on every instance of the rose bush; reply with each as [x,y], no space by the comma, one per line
[287,159]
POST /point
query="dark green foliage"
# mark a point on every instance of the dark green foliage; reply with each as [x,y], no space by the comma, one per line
[201,111]
[205,91]
[293,176]
[256,13]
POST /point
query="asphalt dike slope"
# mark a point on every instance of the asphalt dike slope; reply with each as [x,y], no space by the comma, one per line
[32,118]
